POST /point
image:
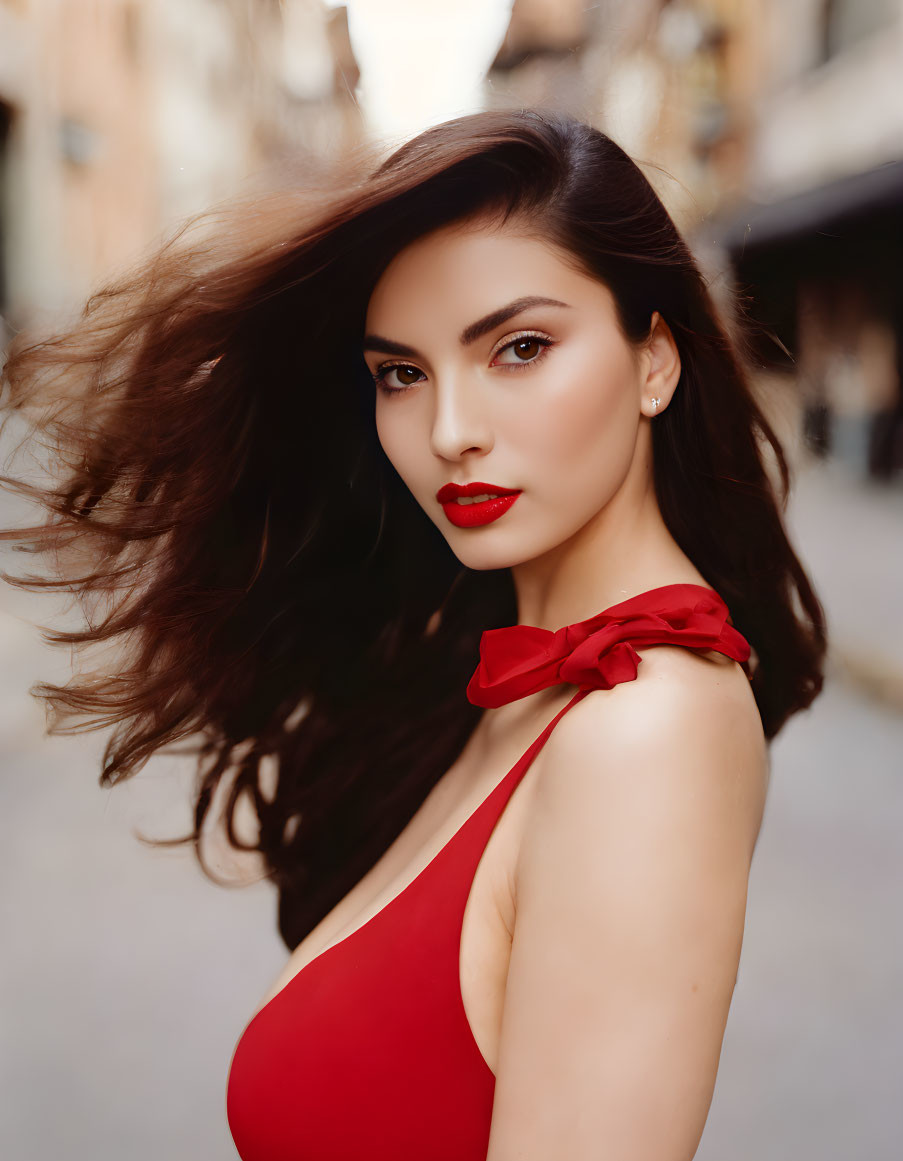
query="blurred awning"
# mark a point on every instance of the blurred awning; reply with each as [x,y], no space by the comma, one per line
[842,201]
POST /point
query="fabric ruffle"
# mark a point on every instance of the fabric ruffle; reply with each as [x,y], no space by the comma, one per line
[601,652]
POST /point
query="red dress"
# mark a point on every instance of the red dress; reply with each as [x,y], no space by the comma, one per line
[366,1054]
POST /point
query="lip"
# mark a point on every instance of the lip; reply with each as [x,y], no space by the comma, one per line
[477,488]
[471,515]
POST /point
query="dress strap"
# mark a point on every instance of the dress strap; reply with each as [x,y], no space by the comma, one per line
[493,805]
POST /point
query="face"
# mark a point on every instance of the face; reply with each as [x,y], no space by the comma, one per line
[498,363]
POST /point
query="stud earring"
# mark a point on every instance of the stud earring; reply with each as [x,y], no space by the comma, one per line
[655,403]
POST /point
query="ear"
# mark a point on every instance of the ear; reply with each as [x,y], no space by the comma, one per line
[660,367]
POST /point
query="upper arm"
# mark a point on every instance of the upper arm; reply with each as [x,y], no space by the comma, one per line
[631,900]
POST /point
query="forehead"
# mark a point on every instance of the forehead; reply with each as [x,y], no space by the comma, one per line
[462,271]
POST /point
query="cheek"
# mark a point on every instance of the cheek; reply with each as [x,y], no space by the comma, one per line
[400,437]
[584,429]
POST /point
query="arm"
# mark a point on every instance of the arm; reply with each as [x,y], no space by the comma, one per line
[631,901]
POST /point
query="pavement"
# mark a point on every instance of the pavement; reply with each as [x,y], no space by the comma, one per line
[126,977]
[849,533]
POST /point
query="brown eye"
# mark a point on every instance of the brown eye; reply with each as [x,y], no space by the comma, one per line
[525,350]
[401,384]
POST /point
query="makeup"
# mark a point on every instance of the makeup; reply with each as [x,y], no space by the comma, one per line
[475,512]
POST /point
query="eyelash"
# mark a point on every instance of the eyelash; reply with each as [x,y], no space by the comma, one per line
[547,344]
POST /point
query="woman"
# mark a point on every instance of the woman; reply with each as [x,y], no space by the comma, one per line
[509,937]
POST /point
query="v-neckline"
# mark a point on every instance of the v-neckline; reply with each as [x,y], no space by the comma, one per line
[516,647]
[525,757]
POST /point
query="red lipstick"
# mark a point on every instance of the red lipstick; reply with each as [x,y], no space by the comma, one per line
[476,512]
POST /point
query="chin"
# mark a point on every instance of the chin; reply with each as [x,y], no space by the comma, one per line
[486,556]
[482,563]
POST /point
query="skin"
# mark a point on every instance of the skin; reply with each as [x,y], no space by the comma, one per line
[569,424]
[619,869]
[602,932]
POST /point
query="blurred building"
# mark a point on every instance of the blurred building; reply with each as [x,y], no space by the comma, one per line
[120,117]
[541,59]
[816,239]
[774,135]
[663,80]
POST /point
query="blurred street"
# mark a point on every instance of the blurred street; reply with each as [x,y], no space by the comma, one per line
[772,133]
[127,976]
[849,534]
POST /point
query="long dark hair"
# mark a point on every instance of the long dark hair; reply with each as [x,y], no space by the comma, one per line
[222,508]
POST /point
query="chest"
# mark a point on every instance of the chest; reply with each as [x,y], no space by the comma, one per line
[484,946]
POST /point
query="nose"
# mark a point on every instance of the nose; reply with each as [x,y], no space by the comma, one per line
[460,421]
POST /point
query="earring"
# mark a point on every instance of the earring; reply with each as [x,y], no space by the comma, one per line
[655,403]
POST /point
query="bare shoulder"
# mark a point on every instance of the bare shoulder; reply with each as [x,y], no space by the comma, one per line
[630,889]
[687,730]
[679,681]
[680,699]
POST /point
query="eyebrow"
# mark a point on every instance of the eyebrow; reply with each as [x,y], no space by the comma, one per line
[471,333]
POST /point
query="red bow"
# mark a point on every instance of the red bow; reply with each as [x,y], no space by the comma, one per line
[599,653]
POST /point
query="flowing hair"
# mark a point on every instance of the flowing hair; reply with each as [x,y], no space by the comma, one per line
[221,507]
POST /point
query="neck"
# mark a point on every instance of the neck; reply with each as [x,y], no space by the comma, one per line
[624,550]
